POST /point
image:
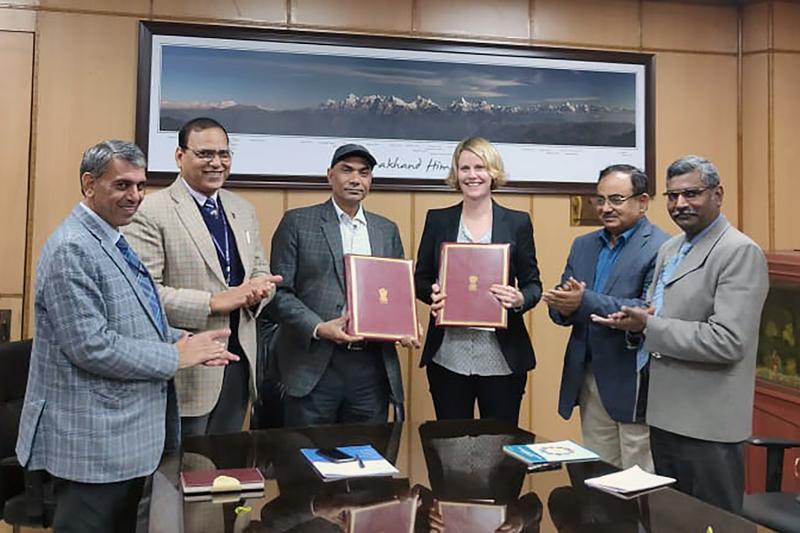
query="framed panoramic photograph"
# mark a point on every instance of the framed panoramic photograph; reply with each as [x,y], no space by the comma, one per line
[289,98]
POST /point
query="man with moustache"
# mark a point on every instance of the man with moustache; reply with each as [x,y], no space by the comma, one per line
[330,376]
[606,269]
[701,334]
[201,244]
[100,402]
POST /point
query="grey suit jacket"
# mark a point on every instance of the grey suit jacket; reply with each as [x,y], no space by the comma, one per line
[100,403]
[704,339]
[307,252]
[175,245]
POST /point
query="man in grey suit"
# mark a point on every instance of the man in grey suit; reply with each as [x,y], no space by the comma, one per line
[202,245]
[100,401]
[701,333]
[606,269]
[328,375]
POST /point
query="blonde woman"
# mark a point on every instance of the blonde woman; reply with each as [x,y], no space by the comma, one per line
[465,365]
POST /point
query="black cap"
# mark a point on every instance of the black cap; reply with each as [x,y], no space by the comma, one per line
[348,150]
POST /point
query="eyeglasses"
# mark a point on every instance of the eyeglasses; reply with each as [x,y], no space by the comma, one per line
[209,155]
[688,194]
[615,199]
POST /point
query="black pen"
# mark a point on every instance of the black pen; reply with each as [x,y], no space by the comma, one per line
[360,462]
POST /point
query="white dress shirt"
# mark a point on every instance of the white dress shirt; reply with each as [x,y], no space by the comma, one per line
[355,238]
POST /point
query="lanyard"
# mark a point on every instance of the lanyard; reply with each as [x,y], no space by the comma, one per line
[226,251]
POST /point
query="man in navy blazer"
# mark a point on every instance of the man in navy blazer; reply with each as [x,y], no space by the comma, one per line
[100,403]
[606,269]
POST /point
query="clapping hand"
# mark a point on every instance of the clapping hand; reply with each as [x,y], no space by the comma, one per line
[567,297]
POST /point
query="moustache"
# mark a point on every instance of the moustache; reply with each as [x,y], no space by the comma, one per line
[683,212]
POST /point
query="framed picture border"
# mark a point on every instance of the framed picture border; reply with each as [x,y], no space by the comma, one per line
[148,29]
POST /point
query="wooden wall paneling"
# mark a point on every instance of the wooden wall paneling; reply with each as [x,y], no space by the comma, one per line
[521,202]
[397,207]
[120,7]
[86,93]
[786,154]
[246,11]
[304,198]
[17,19]
[16,86]
[754,27]
[357,15]
[690,27]
[269,208]
[755,150]
[696,113]
[787,21]
[553,237]
[613,23]
[503,19]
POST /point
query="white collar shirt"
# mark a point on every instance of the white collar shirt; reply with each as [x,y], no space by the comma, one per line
[355,238]
[199,197]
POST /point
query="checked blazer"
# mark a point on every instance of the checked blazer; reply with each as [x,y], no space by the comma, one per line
[100,404]
[307,252]
[175,245]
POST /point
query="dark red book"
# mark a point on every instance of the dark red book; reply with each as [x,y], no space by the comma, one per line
[222,480]
[466,271]
[380,297]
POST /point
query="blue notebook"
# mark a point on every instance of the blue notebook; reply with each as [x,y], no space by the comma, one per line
[371,463]
[564,451]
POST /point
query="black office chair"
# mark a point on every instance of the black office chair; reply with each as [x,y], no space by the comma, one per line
[14,360]
[26,496]
[267,410]
[773,508]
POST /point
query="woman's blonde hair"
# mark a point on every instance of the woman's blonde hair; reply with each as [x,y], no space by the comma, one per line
[488,154]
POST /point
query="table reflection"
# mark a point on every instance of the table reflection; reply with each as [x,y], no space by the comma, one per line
[454,477]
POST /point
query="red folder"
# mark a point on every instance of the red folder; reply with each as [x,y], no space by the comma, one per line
[199,481]
[466,271]
[380,297]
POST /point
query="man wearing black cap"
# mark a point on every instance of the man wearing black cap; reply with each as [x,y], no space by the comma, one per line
[328,375]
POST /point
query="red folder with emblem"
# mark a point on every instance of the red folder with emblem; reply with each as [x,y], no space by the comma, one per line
[466,271]
[380,297]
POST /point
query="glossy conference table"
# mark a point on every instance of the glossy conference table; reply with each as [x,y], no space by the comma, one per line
[450,461]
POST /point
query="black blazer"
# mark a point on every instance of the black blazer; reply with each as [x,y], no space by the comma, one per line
[508,226]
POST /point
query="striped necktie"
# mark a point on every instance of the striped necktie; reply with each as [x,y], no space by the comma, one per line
[144,281]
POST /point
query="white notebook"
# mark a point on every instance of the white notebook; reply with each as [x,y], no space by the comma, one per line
[629,483]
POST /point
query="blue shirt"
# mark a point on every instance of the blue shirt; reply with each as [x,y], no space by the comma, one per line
[608,255]
[670,265]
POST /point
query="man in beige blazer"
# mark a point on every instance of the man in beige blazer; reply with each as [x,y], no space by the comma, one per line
[708,290]
[202,246]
